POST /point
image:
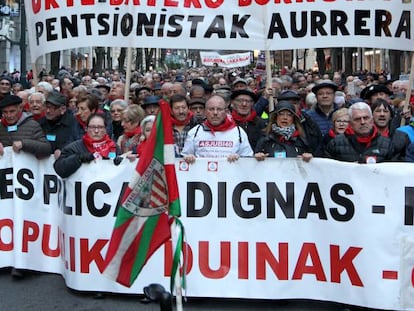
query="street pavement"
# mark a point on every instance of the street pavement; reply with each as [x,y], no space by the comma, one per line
[48,292]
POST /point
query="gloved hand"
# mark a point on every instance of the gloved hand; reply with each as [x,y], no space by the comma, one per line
[118,160]
[86,157]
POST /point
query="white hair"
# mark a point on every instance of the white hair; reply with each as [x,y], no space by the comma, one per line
[359,106]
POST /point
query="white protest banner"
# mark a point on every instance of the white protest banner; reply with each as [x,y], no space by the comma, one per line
[276,229]
[219,25]
[225,61]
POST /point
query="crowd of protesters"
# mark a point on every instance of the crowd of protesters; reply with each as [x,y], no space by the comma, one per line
[361,118]
[79,118]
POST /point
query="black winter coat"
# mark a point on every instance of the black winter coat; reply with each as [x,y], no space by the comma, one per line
[271,144]
[345,147]
[60,132]
[253,129]
[70,159]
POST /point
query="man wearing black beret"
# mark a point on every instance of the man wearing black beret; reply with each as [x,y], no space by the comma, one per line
[19,130]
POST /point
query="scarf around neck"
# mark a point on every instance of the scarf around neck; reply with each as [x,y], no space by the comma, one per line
[176,122]
[364,140]
[285,133]
[6,124]
[241,119]
[100,148]
[134,132]
[228,124]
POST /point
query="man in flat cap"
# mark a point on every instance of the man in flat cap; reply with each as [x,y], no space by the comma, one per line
[243,113]
[58,123]
[19,130]
[325,106]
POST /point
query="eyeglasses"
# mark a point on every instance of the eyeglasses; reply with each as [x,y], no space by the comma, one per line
[341,121]
[96,127]
[116,110]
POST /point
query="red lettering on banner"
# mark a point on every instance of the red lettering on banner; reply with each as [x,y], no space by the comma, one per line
[412,277]
[243,262]
[212,4]
[48,4]
[203,261]
[264,2]
[4,224]
[339,264]
[45,243]
[264,255]
[168,255]
[72,252]
[87,256]
[309,250]
[265,258]
[30,234]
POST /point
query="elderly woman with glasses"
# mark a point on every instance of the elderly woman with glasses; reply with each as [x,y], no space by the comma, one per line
[284,137]
[116,109]
[340,122]
[94,145]
[131,138]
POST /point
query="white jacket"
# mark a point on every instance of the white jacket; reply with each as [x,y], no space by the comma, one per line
[202,143]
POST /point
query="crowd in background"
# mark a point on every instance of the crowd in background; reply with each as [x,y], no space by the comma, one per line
[81,117]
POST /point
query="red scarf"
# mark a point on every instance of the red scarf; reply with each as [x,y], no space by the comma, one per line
[228,124]
[6,124]
[176,122]
[82,123]
[363,140]
[99,147]
[136,131]
[386,132]
[241,119]
[331,133]
[37,117]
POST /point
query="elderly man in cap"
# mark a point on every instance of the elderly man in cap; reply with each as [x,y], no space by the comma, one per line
[325,106]
[20,131]
[242,102]
[5,86]
[239,84]
[197,105]
[361,142]
[151,105]
[141,93]
[374,91]
[58,123]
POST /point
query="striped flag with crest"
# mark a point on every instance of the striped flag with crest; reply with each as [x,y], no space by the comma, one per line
[149,206]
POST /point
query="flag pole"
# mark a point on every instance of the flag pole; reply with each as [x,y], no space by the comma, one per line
[269,79]
[177,279]
[128,73]
[409,89]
